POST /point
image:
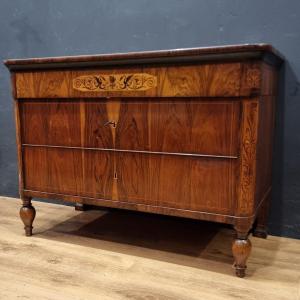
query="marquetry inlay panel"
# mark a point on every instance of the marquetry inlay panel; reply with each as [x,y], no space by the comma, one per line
[115,82]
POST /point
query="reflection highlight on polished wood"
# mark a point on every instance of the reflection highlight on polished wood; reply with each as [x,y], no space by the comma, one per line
[119,255]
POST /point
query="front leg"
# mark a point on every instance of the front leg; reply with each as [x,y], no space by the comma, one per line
[27,214]
[241,249]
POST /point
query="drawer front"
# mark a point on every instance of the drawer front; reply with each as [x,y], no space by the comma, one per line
[160,180]
[171,126]
[65,123]
[177,182]
[194,127]
[202,80]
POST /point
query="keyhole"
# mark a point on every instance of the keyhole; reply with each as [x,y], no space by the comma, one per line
[115,175]
[113,123]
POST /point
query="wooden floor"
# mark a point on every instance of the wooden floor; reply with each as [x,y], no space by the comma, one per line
[125,255]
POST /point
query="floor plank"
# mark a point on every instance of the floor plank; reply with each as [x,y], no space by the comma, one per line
[125,255]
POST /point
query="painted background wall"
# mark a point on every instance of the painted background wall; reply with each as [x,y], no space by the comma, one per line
[32,28]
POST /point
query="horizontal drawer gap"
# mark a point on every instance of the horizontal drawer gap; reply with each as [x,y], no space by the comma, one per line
[134,151]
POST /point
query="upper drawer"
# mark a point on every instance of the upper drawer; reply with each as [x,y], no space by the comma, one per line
[207,80]
[173,126]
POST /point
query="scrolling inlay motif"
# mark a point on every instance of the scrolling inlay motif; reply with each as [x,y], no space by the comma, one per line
[115,82]
[253,77]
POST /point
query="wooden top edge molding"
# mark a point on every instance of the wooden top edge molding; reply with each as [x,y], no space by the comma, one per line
[230,52]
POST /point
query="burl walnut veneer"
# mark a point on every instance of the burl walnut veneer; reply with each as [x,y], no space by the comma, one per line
[183,132]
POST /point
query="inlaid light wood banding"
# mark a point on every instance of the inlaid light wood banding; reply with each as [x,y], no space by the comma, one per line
[248,156]
[115,82]
[134,151]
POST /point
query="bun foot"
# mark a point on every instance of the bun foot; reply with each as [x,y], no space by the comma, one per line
[28,230]
[240,272]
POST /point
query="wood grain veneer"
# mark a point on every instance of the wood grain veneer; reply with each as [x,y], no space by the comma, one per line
[179,132]
[161,125]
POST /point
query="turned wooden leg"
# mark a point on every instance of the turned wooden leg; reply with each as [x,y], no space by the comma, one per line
[241,249]
[27,214]
[260,228]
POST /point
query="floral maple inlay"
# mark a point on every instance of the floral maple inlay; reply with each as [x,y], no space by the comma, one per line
[115,82]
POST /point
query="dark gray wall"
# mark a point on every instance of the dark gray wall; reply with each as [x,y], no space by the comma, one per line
[31,28]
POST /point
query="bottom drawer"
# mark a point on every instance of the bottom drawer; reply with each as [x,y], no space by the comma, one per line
[183,182]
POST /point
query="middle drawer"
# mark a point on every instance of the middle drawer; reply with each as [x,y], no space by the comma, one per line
[183,125]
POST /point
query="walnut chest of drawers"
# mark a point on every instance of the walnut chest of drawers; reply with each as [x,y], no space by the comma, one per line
[183,132]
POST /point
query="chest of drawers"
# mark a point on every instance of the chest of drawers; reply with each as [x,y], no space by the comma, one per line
[181,132]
